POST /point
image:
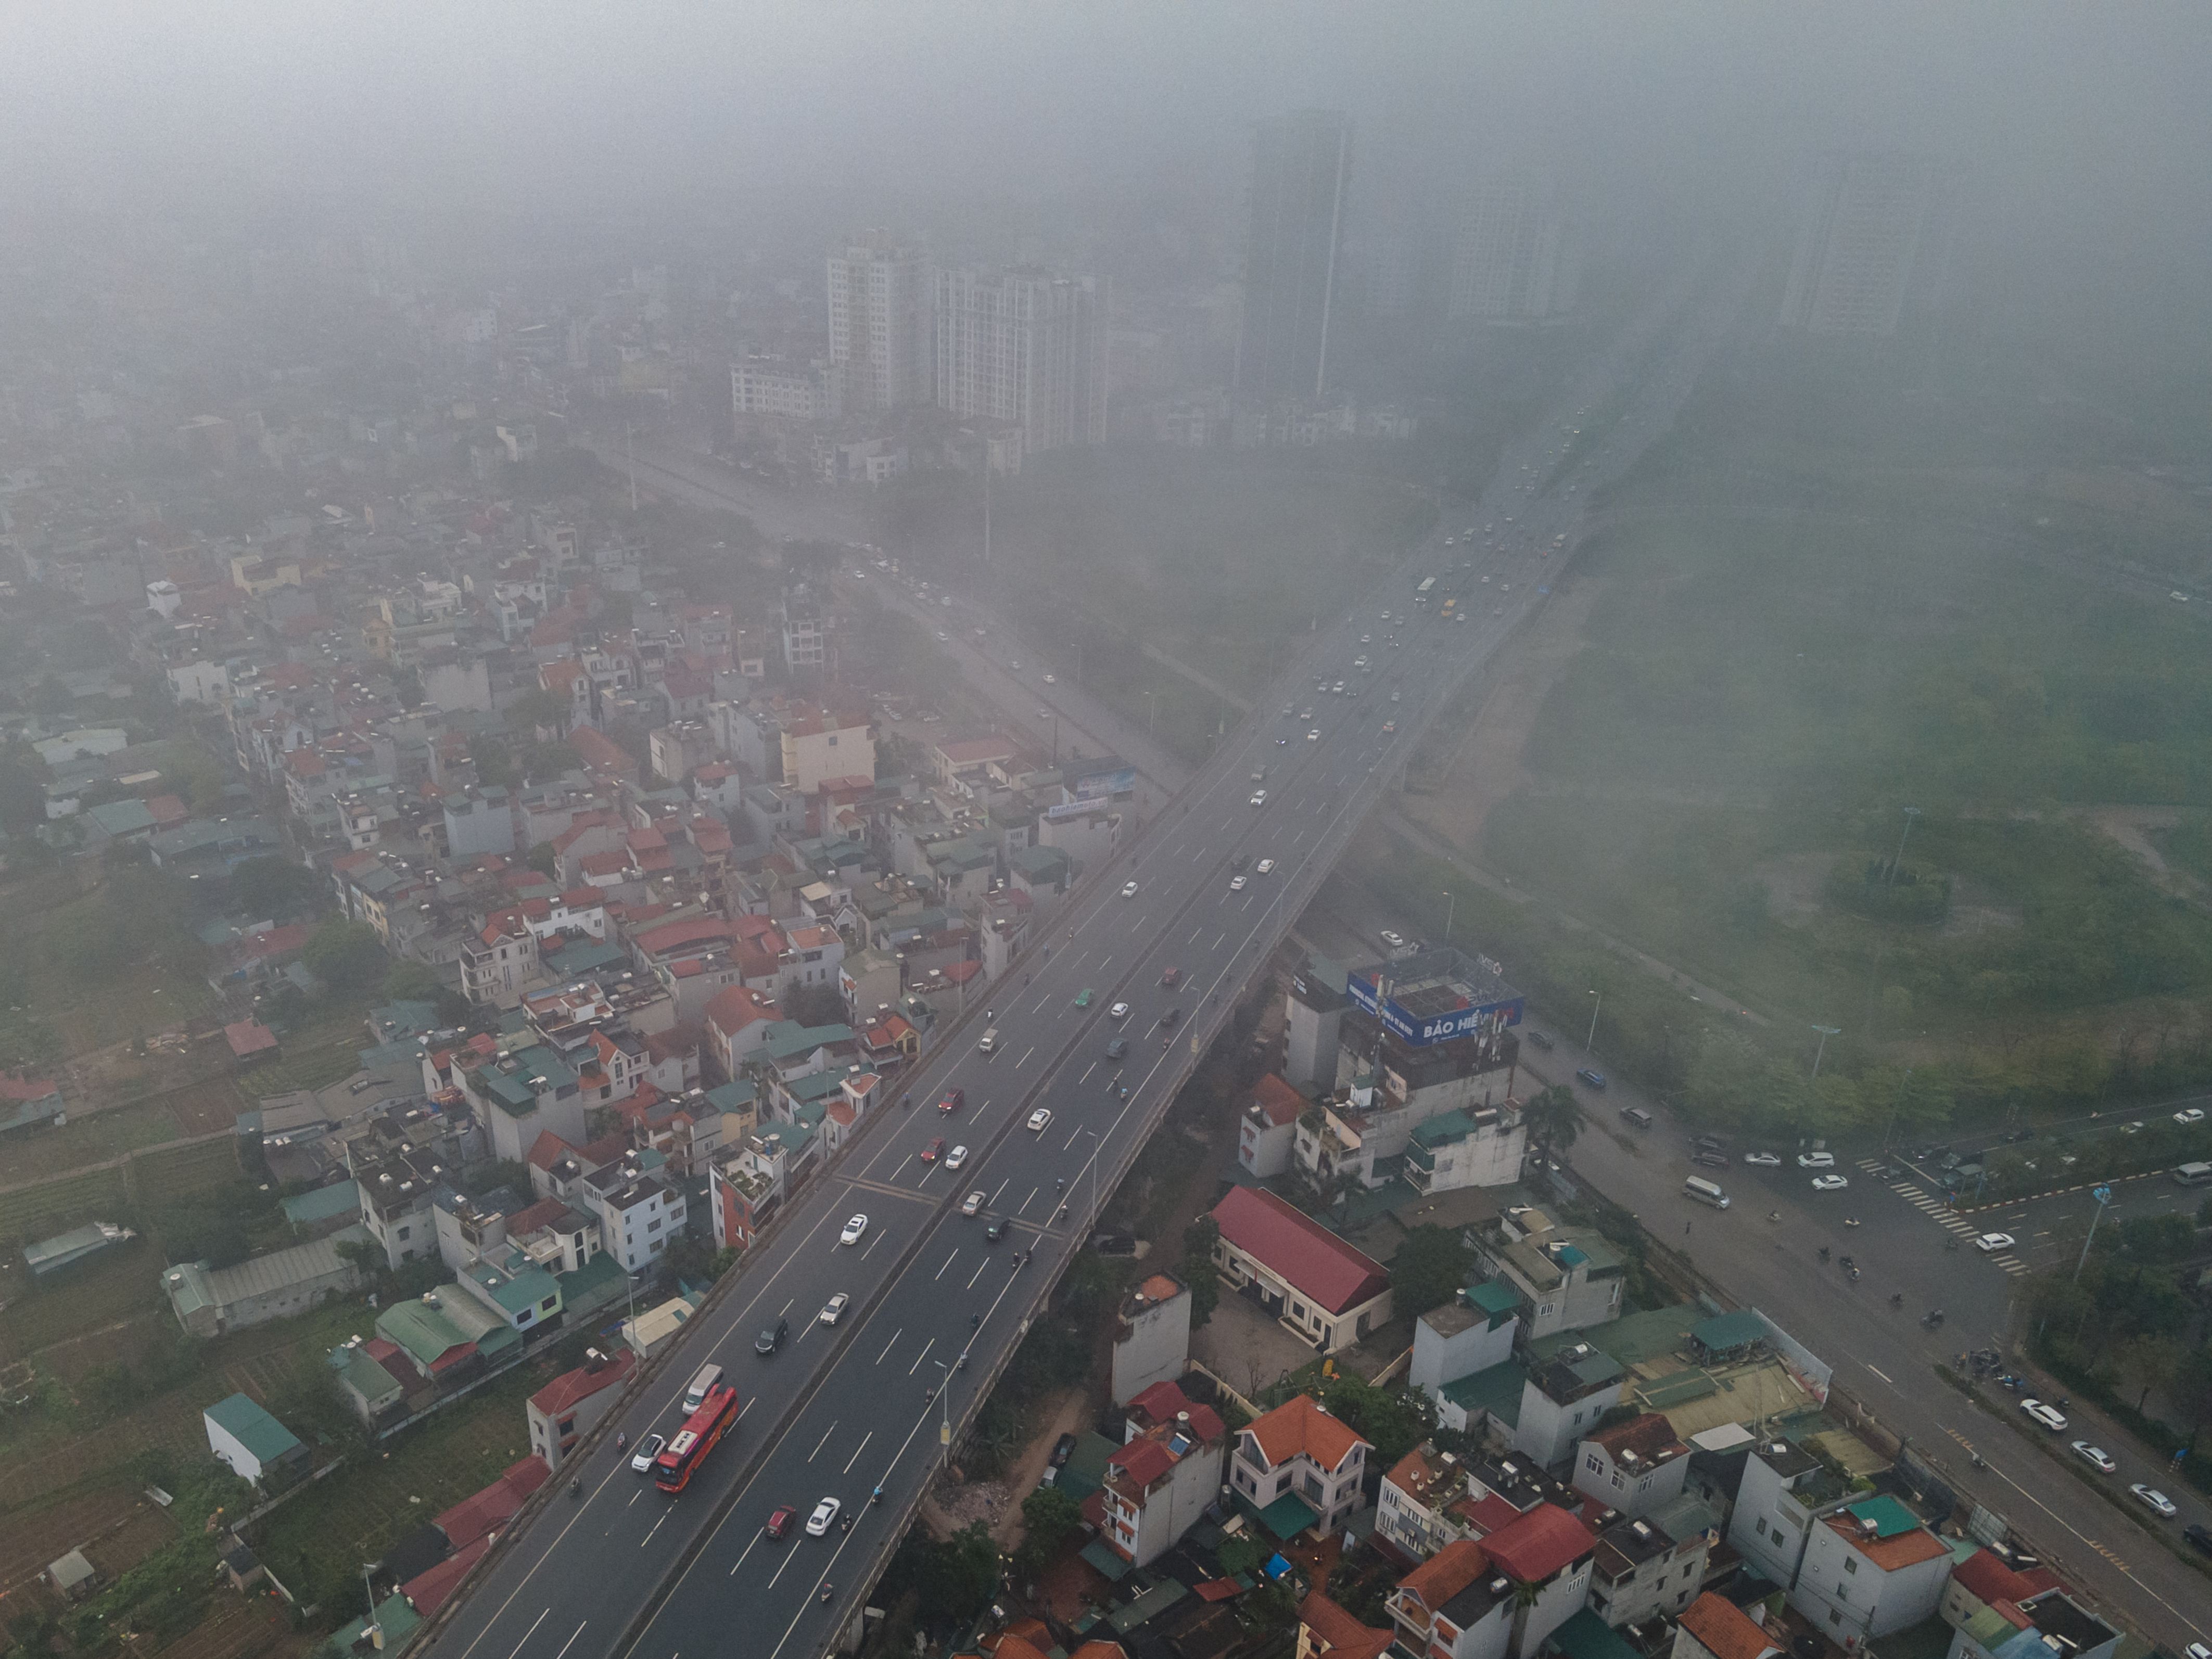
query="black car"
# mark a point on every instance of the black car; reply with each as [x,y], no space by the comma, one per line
[1064,1448]
[1117,1048]
[773,1338]
[1710,1160]
[997,1230]
[1172,1015]
[1708,1143]
[2200,1538]
[1537,1039]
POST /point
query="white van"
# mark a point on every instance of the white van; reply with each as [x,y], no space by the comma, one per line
[1705,1192]
[2193,1175]
[695,1395]
[990,1043]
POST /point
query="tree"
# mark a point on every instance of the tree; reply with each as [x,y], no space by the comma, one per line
[2149,1363]
[1198,1270]
[545,860]
[275,888]
[814,1005]
[22,788]
[535,710]
[1554,1121]
[347,956]
[1395,1421]
[1050,1521]
[1428,1270]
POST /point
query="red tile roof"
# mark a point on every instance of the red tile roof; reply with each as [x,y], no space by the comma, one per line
[249,1037]
[1143,1461]
[1531,1547]
[548,1150]
[1991,1579]
[1335,1634]
[1724,1630]
[427,1591]
[1300,1425]
[1277,1101]
[485,1513]
[1447,1572]
[546,1213]
[1309,1258]
[24,1088]
[1903,1549]
[1488,1513]
[567,1390]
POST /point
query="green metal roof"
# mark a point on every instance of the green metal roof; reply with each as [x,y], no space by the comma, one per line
[324,1204]
[1885,1514]
[253,1428]
[1452,1125]
[370,1380]
[732,1096]
[520,1293]
[422,1330]
[1729,1330]
[1586,1636]
[1495,1391]
[1493,1297]
[1288,1515]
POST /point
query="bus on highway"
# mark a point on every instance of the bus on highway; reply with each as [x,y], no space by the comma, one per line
[1421,593]
[716,1416]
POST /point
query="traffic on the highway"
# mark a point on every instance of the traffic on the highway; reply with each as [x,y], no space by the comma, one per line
[939,1268]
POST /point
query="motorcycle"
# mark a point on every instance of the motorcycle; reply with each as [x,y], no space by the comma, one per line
[576,1488]
[1897,1300]
[826,1592]
[621,1442]
[1931,1319]
[876,1496]
[1823,1253]
[1854,1273]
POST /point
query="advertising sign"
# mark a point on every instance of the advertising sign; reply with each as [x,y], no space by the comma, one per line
[1423,1029]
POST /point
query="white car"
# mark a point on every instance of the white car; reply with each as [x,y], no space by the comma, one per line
[1830,1183]
[1816,1160]
[2050,1416]
[1129,891]
[1990,1243]
[2194,1114]
[1237,884]
[2154,1500]
[1264,867]
[823,1518]
[647,1450]
[1390,939]
[1762,1160]
[2096,1456]
[1393,697]
[956,1157]
[1260,798]
[1119,1011]
[854,1229]
[1051,680]
[943,638]
[973,1204]
[1039,1118]
[834,1309]
[1314,736]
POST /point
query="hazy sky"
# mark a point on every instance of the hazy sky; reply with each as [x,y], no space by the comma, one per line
[2084,123]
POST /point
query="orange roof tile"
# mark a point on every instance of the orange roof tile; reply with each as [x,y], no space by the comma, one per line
[1300,1425]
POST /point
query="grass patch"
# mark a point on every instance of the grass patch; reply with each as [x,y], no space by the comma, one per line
[52,1206]
[30,1155]
[121,1284]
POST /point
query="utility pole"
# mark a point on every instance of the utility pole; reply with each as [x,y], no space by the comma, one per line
[944,1412]
[1911,813]
[1451,904]
[2103,1196]
[1587,1049]
[629,446]
[1825,1032]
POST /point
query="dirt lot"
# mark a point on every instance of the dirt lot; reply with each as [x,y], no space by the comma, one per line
[240,1627]
[29,1539]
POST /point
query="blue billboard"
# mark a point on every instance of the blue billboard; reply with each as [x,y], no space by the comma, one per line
[1429,1024]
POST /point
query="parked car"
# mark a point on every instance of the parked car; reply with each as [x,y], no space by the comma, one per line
[1062,1450]
[1710,1160]
[2199,1538]
[1763,1160]
[2050,1416]
[1830,1183]
[2094,1455]
[2154,1500]
[2192,1114]
[1816,1160]
[1590,1076]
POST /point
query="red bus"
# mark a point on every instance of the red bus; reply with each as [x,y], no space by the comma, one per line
[716,1416]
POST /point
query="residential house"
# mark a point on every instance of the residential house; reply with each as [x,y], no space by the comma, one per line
[1652,1565]
[1713,1627]
[567,1409]
[1152,1336]
[1785,1490]
[1994,1608]
[1297,1466]
[1325,1631]
[1567,1277]
[1266,1133]
[1869,1569]
[1633,1467]
[255,1445]
[1564,1396]
[1162,1477]
[1332,1294]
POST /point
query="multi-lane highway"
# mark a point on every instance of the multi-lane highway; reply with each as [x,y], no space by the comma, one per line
[936,1308]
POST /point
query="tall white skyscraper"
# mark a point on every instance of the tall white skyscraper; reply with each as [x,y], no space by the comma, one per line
[1025,348]
[1516,257]
[1865,240]
[879,335]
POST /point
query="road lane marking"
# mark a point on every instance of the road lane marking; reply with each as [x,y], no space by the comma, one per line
[744,1552]
[978,1274]
[1878,1371]
[873,1242]
[1030,1199]
[1024,1060]
[528,1634]
[858,1449]
[656,1526]
[823,1441]
[923,1355]
[571,1642]
[889,1346]
[1087,1071]
[900,1171]
[992,1202]
[949,1260]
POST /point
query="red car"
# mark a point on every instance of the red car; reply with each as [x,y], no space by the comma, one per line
[779,1522]
[929,1153]
[953,1101]
[1172,978]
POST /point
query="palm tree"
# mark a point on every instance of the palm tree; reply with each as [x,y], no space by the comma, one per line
[1554,1121]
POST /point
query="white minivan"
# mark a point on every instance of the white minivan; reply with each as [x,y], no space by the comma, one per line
[695,1395]
[1705,1192]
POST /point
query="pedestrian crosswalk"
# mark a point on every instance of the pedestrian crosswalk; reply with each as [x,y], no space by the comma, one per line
[1944,1216]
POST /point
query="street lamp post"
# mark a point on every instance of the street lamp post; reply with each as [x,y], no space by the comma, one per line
[1825,1032]
[1587,1049]
[1911,813]
[1451,904]
[2103,1196]
[375,1624]
[944,1412]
